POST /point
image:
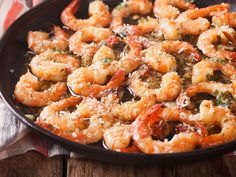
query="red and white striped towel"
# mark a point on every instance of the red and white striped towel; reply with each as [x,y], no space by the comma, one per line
[15,138]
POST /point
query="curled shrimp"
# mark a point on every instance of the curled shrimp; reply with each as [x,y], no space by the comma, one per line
[39,41]
[159,58]
[192,20]
[217,115]
[223,93]
[204,70]
[142,131]
[147,25]
[53,66]
[77,126]
[179,47]
[104,56]
[98,12]
[124,10]
[169,89]
[78,41]
[170,29]
[131,60]
[224,19]
[167,8]
[210,88]
[88,81]
[207,39]
[117,137]
[128,110]
[53,115]
[28,91]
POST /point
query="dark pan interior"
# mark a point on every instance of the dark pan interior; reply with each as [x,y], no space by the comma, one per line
[13,48]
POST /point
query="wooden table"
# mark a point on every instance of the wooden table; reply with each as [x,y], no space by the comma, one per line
[33,164]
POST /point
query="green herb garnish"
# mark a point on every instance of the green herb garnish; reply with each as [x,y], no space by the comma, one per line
[121,6]
[106,60]
[224,98]
[59,51]
[104,43]
[210,77]
[189,1]
[217,60]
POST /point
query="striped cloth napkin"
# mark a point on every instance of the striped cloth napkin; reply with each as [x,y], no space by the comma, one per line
[15,138]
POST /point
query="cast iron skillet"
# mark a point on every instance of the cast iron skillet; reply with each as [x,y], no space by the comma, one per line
[13,47]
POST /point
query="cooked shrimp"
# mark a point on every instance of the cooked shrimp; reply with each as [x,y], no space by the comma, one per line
[55,114]
[27,91]
[192,21]
[130,149]
[104,63]
[142,131]
[131,60]
[169,89]
[207,39]
[105,55]
[53,66]
[78,41]
[157,56]
[39,41]
[160,60]
[179,47]
[210,88]
[167,8]
[217,115]
[73,125]
[98,12]
[128,110]
[117,137]
[205,69]
[176,47]
[88,81]
[222,19]
[170,29]
[124,10]
[147,25]
[224,94]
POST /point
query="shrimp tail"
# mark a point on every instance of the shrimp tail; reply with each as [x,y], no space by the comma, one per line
[60,33]
[114,83]
[145,118]
[136,47]
[153,113]
[112,40]
[68,12]
[117,79]
[131,149]
[197,56]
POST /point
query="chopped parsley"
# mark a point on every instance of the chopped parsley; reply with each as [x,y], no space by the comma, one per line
[224,99]
[189,1]
[59,51]
[121,6]
[104,43]
[210,77]
[106,60]
[217,60]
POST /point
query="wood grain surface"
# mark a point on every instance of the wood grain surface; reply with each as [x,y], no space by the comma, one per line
[33,164]
[220,167]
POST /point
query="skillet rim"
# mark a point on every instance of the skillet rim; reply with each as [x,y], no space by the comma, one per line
[93,152]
